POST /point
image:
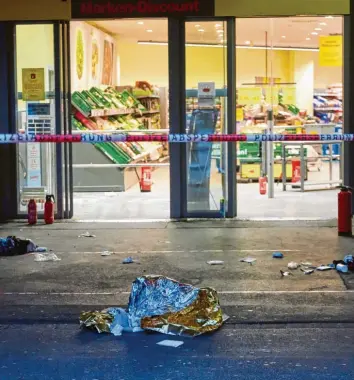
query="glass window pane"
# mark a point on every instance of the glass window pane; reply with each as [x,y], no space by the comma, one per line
[206,66]
[35,112]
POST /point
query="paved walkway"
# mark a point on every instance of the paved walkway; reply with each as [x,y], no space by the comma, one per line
[177,250]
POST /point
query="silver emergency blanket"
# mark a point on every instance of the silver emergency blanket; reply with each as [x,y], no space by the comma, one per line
[161,304]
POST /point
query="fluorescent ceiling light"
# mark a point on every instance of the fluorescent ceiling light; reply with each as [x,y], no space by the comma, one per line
[283,36]
[201,30]
[149,30]
[288,48]
[323,23]
[314,34]
[318,29]
[140,23]
[308,39]
[197,26]
[217,25]
[329,16]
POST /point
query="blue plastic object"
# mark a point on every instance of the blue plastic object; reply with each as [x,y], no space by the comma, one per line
[277,255]
[342,268]
[348,259]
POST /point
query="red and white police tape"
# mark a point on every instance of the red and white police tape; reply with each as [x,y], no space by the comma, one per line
[91,138]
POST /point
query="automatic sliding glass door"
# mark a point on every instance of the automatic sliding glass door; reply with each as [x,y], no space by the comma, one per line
[207,164]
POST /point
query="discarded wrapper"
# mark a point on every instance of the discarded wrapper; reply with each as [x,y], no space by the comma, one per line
[215,262]
[130,260]
[293,265]
[249,260]
[161,304]
[50,256]
[277,255]
[87,234]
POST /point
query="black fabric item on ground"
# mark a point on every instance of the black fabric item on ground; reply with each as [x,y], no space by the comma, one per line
[13,246]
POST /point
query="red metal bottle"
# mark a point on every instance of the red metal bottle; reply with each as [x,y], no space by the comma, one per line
[32,212]
[49,209]
[345,212]
[262,185]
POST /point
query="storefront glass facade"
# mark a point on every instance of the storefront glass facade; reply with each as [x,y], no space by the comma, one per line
[203,179]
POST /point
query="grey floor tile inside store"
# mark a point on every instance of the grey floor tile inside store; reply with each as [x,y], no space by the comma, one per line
[319,203]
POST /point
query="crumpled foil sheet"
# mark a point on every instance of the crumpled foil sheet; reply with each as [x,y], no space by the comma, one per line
[96,320]
[161,304]
[201,316]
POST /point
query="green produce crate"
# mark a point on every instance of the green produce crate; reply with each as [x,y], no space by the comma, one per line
[249,150]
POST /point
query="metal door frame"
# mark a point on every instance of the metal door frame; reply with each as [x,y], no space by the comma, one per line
[177,99]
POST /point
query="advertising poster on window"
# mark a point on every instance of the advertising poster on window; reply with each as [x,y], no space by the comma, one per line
[93,57]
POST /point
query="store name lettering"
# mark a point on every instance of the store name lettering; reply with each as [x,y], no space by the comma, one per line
[143,7]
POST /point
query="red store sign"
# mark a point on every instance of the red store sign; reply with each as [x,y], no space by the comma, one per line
[94,9]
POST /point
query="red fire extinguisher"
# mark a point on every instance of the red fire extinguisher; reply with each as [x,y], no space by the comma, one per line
[345,211]
[49,209]
[262,185]
[145,179]
[32,212]
[296,171]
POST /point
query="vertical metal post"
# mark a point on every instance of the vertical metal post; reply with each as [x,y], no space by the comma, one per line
[177,113]
[340,158]
[58,118]
[283,165]
[330,161]
[348,95]
[9,185]
[303,167]
[231,119]
[270,155]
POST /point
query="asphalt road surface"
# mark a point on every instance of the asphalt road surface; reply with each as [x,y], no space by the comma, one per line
[63,351]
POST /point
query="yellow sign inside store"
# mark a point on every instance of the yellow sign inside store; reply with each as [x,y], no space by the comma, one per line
[248,96]
[289,95]
[331,51]
[271,94]
[239,114]
[33,84]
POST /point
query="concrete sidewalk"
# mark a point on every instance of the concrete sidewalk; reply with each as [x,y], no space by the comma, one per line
[181,251]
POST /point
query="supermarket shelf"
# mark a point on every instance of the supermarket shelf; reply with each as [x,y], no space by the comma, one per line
[152,112]
[330,95]
[315,183]
[147,97]
[328,109]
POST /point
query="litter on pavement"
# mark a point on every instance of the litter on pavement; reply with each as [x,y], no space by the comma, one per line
[158,303]
[277,255]
[215,262]
[14,246]
[307,271]
[87,234]
[306,264]
[285,274]
[129,260]
[324,267]
[170,343]
[106,253]
[293,265]
[249,260]
[50,256]
[342,268]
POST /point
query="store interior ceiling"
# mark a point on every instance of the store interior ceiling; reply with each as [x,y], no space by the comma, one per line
[286,32]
